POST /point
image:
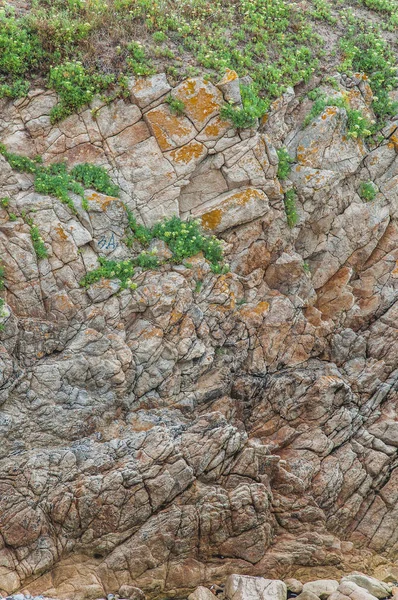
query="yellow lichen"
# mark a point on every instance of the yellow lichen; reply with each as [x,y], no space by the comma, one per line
[187,153]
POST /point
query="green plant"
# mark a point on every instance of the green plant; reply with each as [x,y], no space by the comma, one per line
[140,233]
[147,260]
[55,179]
[176,106]
[92,176]
[368,191]
[241,301]
[110,269]
[284,164]
[198,286]
[4,202]
[138,60]
[364,50]
[358,126]
[252,108]
[185,239]
[290,207]
[37,241]
[306,268]
[159,37]
[75,86]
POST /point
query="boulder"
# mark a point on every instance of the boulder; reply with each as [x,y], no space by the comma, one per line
[351,590]
[307,595]
[244,587]
[322,588]
[377,588]
[201,593]
[294,585]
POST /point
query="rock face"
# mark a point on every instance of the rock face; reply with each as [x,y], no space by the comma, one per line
[166,437]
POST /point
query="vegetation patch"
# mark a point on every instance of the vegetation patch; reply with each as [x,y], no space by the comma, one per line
[358,126]
[91,176]
[75,86]
[368,191]
[176,106]
[365,50]
[55,180]
[37,241]
[284,164]
[290,207]
[110,269]
[253,107]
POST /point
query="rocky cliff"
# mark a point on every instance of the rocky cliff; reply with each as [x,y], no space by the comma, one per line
[197,424]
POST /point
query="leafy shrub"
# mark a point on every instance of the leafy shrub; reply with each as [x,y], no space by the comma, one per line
[284,164]
[357,125]
[176,106]
[147,260]
[368,191]
[141,233]
[75,86]
[20,49]
[364,50]
[110,269]
[253,107]
[95,177]
[16,89]
[138,60]
[56,181]
[290,207]
[37,241]
[185,239]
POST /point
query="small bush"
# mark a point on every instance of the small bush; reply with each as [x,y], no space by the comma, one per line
[176,106]
[76,87]
[185,239]
[358,126]
[95,177]
[253,107]
[141,233]
[14,90]
[56,181]
[110,269]
[284,165]
[138,61]
[147,260]
[290,207]
[368,191]
[37,241]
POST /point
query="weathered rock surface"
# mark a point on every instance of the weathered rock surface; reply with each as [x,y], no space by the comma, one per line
[243,587]
[166,437]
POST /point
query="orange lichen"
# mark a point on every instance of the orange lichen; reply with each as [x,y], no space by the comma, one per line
[165,126]
[216,127]
[102,201]
[188,152]
[61,233]
[258,310]
[230,75]
[199,102]
[212,219]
